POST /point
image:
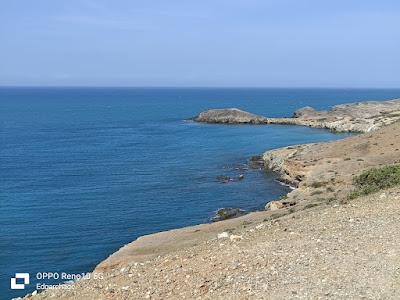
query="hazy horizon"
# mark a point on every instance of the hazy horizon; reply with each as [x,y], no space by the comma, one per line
[244,44]
[202,87]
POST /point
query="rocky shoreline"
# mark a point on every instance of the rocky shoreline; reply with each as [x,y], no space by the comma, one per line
[271,248]
[353,117]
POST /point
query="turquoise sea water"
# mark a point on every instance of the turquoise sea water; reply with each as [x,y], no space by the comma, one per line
[86,170]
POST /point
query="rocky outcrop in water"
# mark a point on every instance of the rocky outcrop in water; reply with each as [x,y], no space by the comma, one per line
[353,117]
[227,213]
[256,162]
[227,179]
[229,116]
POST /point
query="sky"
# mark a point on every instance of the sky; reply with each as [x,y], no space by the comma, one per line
[208,43]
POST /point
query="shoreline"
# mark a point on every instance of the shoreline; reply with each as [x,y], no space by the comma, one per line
[151,245]
[321,174]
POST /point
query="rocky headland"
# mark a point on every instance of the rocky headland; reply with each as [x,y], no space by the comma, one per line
[353,117]
[317,242]
[229,116]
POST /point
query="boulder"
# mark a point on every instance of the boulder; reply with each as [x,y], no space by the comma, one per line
[229,116]
[227,213]
[274,205]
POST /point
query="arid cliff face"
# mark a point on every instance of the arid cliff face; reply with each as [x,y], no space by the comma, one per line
[324,172]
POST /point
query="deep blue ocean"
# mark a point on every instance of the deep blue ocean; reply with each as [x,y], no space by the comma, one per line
[86,170]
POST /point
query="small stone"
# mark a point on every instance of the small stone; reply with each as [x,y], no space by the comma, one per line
[235,237]
[223,235]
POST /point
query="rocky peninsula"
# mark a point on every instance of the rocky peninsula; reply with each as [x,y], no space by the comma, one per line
[317,242]
[352,117]
[229,116]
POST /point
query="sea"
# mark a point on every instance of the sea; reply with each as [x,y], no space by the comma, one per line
[84,171]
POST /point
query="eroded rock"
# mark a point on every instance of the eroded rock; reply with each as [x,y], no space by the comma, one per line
[275,205]
[256,162]
[227,213]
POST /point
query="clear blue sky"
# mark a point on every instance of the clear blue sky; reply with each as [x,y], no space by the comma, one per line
[265,43]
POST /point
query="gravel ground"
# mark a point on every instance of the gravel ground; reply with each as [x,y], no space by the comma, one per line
[331,251]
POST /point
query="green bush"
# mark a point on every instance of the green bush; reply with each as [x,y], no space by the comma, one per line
[376,179]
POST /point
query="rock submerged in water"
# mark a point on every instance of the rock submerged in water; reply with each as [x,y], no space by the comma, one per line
[227,213]
[229,116]
[256,162]
[223,178]
[226,179]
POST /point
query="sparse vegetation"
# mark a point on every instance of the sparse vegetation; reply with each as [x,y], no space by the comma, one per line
[329,200]
[316,192]
[318,184]
[310,205]
[273,217]
[246,223]
[376,179]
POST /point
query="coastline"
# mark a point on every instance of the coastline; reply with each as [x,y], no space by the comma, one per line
[358,117]
[311,170]
[321,173]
